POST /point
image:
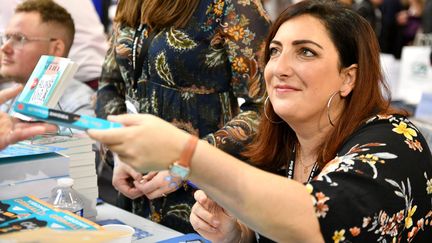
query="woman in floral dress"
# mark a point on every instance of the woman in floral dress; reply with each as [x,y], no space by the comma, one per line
[199,57]
[366,168]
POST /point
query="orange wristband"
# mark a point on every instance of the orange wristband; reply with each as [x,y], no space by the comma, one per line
[188,152]
[180,168]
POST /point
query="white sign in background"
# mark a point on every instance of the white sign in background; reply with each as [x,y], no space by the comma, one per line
[415,74]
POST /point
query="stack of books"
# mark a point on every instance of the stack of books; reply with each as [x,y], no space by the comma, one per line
[26,169]
[33,167]
[79,149]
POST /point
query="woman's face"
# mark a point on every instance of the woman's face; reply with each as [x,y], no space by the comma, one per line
[303,71]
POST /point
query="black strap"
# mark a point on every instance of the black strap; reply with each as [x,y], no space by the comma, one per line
[138,62]
[291,165]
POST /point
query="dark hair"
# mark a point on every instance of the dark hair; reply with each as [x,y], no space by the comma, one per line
[356,43]
[51,13]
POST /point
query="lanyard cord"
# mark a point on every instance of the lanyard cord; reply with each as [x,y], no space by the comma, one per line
[291,165]
[138,59]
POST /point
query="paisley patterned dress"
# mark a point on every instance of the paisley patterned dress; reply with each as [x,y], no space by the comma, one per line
[378,188]
[192,77]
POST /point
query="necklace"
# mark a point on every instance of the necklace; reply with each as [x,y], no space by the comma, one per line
[290,167]
[305,167]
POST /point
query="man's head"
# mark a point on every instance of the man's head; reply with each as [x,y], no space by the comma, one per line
[38,27]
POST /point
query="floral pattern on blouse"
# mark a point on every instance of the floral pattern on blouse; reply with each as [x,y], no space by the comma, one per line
[379,187]
[191,77]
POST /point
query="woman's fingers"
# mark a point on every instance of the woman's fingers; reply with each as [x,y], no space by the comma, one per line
[206,202]
[155,185]
[200,196]
[108,137]
[49,128]
[129,119]
[202,219]
[9,93]
[149,175]
[206,209]
[22,134]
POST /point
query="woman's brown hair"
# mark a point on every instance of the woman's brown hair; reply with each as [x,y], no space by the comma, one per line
[356,44]
[156,13]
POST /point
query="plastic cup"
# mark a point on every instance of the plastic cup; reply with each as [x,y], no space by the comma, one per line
[126,232]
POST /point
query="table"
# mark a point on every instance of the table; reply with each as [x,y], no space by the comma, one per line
[159,232]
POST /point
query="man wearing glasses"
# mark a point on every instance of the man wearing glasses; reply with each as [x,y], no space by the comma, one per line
[41,27]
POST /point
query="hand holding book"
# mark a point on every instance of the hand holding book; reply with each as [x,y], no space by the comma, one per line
[13,130]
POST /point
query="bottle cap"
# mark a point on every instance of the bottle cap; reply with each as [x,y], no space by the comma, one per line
[65,182]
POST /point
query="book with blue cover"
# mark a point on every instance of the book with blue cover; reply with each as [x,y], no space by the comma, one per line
[62,118]
[47,82]
[29,213]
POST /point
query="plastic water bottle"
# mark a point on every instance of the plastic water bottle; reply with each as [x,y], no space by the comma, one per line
[65,197]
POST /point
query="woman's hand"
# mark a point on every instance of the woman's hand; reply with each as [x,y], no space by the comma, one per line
[146,142]
[123,180]
[158,184]
[12,129]
[212,221]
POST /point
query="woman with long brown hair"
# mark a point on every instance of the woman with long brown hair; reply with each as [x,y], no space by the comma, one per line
[186,62]
[350,168]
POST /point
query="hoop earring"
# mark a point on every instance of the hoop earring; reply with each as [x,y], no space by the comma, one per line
[328,108]
[265,112]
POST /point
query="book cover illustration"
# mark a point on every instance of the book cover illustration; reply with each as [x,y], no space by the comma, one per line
[47,82]
[44,80]
[28,213]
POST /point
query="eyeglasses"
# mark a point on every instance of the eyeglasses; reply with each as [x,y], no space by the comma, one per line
[18,40]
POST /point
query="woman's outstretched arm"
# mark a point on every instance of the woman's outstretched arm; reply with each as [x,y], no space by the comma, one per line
[275,206]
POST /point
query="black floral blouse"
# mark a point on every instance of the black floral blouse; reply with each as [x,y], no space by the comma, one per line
[379,187]
[192,77]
